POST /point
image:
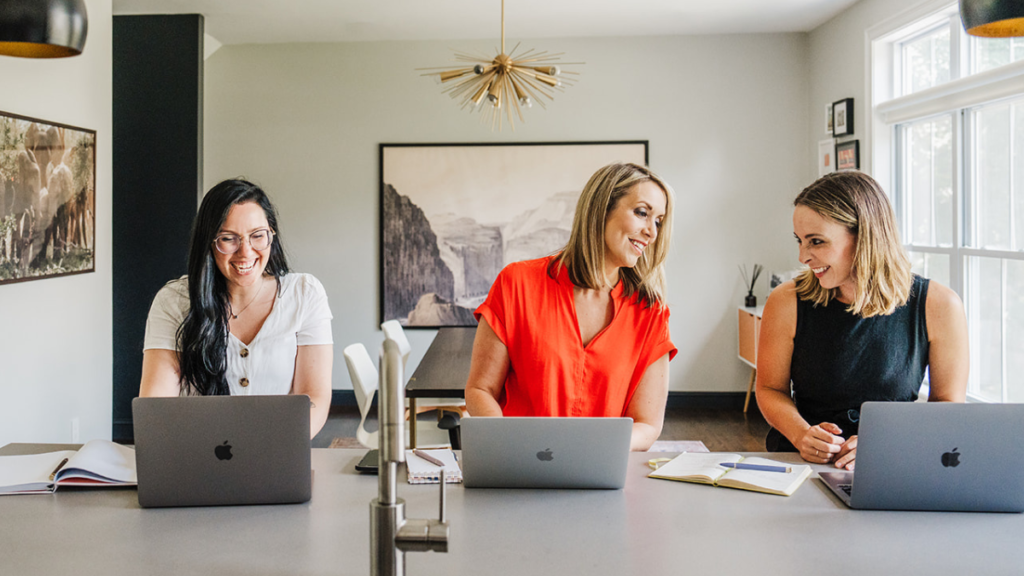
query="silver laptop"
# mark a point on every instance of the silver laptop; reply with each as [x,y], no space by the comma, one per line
[222,450]
[545,452]
[936,456]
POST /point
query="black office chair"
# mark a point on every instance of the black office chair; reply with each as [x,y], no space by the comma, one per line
[450,422]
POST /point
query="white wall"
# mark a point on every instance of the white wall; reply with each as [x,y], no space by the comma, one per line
[55,335]
[725,116]
[733,123]
[838,70]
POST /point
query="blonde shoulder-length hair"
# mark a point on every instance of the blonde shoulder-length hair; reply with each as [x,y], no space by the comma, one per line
[583,256]
[880,268]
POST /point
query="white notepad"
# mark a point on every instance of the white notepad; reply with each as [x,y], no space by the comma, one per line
[422,472]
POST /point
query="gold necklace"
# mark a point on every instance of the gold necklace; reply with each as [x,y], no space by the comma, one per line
[231,308]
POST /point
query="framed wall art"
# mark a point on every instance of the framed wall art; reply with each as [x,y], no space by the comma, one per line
[842,117]
[826,157]
[453,215]
[47,199]
[848,155]
[828,119]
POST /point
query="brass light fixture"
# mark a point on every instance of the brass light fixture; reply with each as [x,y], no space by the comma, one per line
[506,82]
[993,18]
[42,28]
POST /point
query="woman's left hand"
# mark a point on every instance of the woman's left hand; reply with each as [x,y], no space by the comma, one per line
[847,454]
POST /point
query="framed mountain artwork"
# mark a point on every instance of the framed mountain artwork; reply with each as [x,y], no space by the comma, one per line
[453,215]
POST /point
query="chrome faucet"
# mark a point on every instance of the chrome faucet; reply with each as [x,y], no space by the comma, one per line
[391,533]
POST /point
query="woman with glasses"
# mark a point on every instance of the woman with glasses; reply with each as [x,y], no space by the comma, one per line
[239,323]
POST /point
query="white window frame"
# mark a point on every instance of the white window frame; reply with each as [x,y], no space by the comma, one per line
[887,108]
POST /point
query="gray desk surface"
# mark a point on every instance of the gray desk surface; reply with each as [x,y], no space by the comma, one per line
[652,527]
[445,366]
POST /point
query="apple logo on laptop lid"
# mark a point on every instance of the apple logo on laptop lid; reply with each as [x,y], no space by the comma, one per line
[951,459]
[545,455]
[223,451]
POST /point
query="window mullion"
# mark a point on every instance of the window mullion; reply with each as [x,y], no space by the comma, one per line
[1013,141]
[973,325]
[957,48]
[931,180]
[1002,331]
[956,267]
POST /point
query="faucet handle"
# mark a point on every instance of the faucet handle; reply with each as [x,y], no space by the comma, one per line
[443,482]
[422,536]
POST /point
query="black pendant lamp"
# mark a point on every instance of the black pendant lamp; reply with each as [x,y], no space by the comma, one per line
[42,28]
[993,18]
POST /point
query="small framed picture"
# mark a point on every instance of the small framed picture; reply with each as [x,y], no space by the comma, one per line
[826,157]
[842,117]
[848,155]
[828,118]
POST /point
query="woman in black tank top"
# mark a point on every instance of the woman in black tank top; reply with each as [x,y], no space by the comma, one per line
[856,326]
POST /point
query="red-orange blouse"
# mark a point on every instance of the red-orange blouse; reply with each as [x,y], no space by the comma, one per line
[551,373]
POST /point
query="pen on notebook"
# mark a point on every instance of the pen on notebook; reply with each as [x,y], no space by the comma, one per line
[758,467]
[428,458]
[57,469]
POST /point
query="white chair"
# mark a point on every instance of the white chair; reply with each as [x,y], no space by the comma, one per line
[364,384]
[393,330]
[365,381]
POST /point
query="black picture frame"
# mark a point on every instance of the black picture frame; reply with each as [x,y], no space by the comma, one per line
[452,215]
[842,117]
[47,199]
[848,155]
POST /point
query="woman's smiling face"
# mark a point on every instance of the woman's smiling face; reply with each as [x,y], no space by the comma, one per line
[828,248]
[633,224]
[246,266]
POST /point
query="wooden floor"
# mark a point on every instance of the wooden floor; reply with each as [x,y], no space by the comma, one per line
[719,430]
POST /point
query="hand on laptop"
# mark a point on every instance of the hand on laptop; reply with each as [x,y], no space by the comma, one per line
[847,453]
[820,443]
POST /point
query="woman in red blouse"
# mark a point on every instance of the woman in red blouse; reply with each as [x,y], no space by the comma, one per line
[585,332]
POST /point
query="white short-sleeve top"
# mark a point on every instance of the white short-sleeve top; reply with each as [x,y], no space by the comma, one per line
[300,317]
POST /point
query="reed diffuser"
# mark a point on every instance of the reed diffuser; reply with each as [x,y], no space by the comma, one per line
[748,283]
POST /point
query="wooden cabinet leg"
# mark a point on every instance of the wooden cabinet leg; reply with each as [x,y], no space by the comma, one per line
[412,423]
[750,388]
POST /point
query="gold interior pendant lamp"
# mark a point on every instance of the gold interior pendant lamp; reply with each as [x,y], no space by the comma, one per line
[506,82]
[993,18]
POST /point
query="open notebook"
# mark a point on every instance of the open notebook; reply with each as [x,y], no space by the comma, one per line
[99,463]
[421,471]
[705,469]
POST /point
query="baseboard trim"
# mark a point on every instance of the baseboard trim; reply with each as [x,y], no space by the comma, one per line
[345,398]
[123,432]
[707,400]
[703,400]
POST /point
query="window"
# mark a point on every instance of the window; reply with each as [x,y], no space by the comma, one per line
[948,119]
[989,53]
[925,60]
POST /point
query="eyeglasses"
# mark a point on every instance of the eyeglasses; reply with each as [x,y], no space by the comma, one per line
[230,243]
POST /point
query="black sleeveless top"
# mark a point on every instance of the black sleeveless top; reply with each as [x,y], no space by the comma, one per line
[841,360]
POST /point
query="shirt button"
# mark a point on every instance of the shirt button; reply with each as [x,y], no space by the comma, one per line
[245,352]
[244,382]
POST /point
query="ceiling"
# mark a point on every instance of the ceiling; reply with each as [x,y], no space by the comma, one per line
[275,21]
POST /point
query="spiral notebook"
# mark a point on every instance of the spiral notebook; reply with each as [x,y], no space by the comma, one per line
[421,471]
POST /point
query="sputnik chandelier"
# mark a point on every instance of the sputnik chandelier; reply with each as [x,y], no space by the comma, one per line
[496,86]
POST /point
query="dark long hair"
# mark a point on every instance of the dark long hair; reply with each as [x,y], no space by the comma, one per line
[203,336]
